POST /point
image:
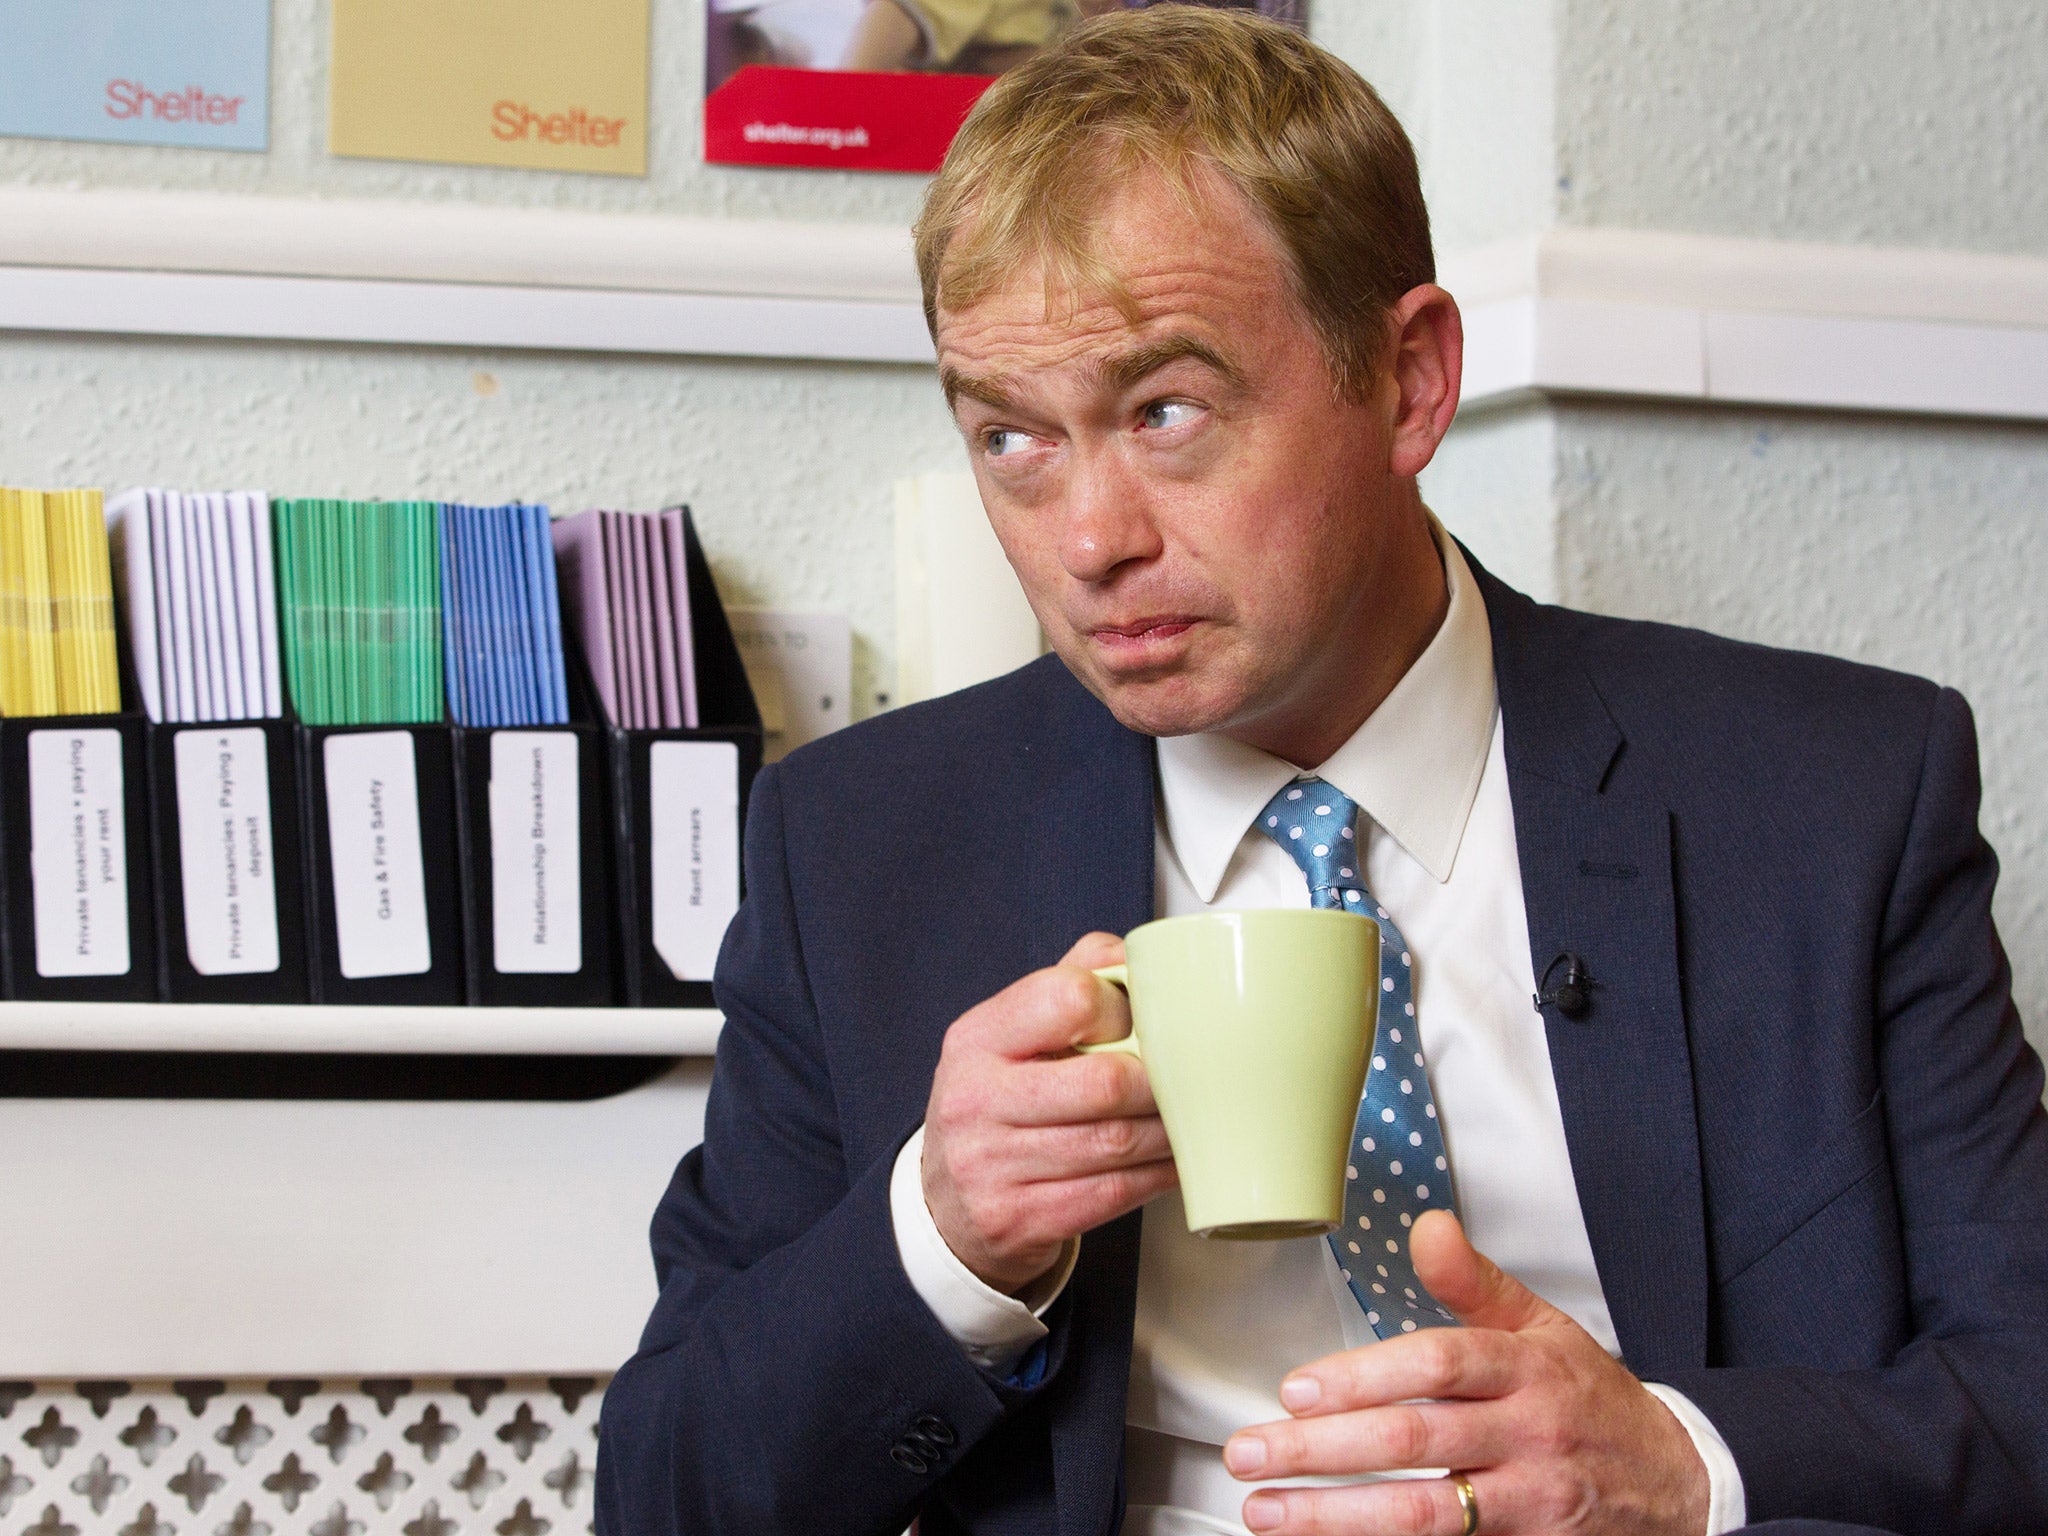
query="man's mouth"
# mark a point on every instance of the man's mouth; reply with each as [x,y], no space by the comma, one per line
[1144,629]
[1142,645]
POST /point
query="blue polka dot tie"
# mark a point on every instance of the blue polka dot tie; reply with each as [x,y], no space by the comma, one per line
[1397,1165]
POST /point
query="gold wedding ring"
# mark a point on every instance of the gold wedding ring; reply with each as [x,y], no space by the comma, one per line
[1468,1501]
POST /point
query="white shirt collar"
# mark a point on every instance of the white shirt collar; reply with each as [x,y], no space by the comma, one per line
[1413,766]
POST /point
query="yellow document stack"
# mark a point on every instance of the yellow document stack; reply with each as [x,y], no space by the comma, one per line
[56,606]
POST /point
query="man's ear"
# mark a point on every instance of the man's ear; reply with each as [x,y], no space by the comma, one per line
[1426,355]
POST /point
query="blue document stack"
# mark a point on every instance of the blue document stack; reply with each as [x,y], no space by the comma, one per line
[502,620]
[529,767]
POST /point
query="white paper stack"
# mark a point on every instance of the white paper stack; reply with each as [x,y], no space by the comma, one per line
[961,618]
[194,569]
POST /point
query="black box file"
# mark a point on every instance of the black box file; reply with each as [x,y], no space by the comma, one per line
[679,804]
[230,868]
[383,880]
[75,902]
[538,903]
[681,798]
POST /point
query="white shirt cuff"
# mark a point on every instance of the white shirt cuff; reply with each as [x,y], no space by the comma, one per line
[995,1330]
[1727,1508]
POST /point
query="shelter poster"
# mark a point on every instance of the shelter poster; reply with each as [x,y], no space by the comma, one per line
[558,85]
[875,85]
[194,73]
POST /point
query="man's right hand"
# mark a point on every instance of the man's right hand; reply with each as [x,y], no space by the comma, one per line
[1028,1144]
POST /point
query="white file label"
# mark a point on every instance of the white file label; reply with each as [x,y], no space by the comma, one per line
[695,792]
[78,852]
[373,834]
[224,851]
[536,853]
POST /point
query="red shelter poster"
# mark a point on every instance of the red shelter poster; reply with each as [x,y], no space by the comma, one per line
[874,85]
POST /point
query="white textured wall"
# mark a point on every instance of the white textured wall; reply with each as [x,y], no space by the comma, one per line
[1880,122]
[1472,84]
[1494,486]
[1883,122]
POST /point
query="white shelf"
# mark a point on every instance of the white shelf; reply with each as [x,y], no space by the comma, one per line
[454,243]
[490,315]
[1581,312]
[1754,322]
[369,1031]
[419,274]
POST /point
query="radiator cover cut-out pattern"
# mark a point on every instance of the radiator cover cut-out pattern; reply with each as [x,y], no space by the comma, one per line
[460,1456]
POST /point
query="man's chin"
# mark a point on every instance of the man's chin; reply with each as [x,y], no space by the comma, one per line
[1168,706]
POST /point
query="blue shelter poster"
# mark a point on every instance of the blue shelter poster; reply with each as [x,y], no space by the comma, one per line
[187,72]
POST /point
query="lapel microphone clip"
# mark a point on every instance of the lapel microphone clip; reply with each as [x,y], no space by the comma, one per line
[1571,995]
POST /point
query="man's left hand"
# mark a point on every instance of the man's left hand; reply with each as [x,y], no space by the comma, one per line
[1551,1432]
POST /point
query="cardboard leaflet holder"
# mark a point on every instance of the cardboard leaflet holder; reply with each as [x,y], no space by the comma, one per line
[75,891]
[536,862]
[679,803]
[383,881]
[230,868]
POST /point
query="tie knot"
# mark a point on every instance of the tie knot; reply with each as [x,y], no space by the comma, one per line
[1317,824]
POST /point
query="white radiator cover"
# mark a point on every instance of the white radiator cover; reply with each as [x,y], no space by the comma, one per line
[383,1457]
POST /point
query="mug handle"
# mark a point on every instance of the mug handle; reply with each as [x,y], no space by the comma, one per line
[1116,976]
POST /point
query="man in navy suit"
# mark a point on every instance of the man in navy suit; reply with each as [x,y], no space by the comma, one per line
[1765,1170]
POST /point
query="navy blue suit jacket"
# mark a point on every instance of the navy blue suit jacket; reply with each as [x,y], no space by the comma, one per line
[1806,1130]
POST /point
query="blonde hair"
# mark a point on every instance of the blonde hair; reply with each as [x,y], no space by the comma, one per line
[1177,89]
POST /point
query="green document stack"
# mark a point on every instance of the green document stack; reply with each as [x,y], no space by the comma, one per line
[359,605]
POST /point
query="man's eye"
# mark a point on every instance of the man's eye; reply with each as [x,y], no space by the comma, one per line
[1001,440]
[1168,413]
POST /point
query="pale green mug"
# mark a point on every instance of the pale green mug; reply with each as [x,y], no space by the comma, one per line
[1255,1028]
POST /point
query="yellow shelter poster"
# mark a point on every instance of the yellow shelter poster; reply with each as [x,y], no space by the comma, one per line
[557,85]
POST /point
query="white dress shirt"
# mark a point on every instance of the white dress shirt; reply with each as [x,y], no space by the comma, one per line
[1220,1324]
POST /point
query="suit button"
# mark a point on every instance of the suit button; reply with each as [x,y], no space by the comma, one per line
[906,1457]
[936,1429]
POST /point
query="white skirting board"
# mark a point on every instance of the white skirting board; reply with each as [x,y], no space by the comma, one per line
[331,309]
[1584,311]
[1521,347]
[440,242]
[1697,317]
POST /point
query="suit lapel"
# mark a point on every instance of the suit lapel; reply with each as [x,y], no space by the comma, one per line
[1597,881]
[1092,803]
[1093,870]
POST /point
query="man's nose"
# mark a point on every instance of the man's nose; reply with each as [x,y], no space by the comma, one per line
[1107,518]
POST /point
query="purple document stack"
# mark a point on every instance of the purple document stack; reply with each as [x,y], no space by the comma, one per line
[626,592]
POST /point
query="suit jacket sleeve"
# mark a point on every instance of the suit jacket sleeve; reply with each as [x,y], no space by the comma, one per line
[790,1379]
[1952,1434]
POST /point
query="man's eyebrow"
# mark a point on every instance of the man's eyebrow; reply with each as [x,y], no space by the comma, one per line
[1117,373]
[1121,372]
[957,385]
